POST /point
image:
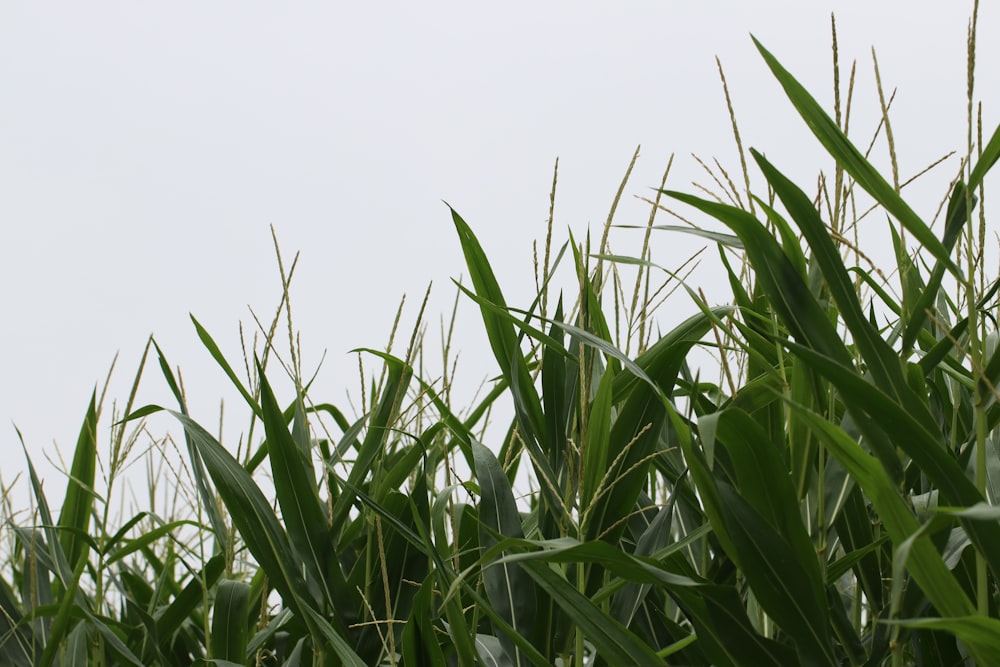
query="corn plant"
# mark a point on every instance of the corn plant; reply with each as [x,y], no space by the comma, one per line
[825,495]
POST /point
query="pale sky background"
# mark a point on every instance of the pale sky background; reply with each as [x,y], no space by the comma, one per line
[146,148]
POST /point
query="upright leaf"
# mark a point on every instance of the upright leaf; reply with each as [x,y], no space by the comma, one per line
[74,518]
[296,492]
[510,590]
[614,643]
[381,421]
[503,340]
[230,621]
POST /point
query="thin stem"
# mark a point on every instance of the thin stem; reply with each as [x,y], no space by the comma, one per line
[976,335]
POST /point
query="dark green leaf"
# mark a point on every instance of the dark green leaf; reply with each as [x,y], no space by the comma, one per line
[853,162]
[510,590]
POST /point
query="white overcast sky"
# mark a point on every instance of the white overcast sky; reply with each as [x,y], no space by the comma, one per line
[145,148]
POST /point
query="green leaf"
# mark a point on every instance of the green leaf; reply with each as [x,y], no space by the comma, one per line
[503,340]
[63,618]
[170,619]
[111,639]
[955,220]
[217,355]
[880,359]
[597,455]
[510,590]
[778,277]
[297,494]
[76,647]
[144,540]
[924,563]
[458,629]
[989,157]
[381,422]
[762,479]
[251,514]
[789,240]
[230,621]
[926,449]
[208,499]
[854,528]
[633,439]
[727,240]
[16,644]
[724,631]
[975,631]
[628,600]
[74,518]
[570,550]
[784,585]
[339,646]
[793,301]
[853,162]
[59,564]
[421,644]
[981,511]
[614,643]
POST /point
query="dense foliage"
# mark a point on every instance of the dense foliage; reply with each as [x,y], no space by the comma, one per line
[829,499]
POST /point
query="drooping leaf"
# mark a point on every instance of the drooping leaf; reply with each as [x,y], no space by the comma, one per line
[794,302]
[853,161]
[613,642]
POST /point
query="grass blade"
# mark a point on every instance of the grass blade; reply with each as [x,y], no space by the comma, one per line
[880,359]
[380,423]
[208,499]
[955,220]
[230,621]
[503,340]
[297,495]
[78,504]
[217,355]
[614,643]
[853,162]
[924,562]
[510,591]
[926,450]
[794,303]
[782,583]
[989,157]
[724,632]
[251,514]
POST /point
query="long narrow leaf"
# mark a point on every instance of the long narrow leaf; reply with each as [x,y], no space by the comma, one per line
[502,338]
[230,614]
[989,157]
[79,500]
[297,494]
[926,450]
[510,590]
[852,160]
[924,561]
[613,642]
